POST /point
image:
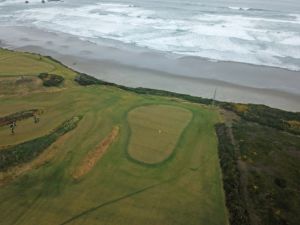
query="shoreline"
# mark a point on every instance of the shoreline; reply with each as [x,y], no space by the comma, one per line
[109,64]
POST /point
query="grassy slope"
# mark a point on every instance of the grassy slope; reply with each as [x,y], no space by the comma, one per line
[186,189]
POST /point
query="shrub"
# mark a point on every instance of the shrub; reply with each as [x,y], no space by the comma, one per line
[51,80]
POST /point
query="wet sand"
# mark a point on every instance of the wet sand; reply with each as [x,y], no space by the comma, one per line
[137,67]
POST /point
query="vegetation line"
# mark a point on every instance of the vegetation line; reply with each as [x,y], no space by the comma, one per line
[235,202]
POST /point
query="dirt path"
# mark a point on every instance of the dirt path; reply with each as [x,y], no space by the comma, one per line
[93,156]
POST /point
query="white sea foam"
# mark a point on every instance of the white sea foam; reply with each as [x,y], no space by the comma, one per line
[18,2]
[239,8]
[230,37]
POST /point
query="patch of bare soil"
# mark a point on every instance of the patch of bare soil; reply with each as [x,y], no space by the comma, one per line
[228,116]
[94,156]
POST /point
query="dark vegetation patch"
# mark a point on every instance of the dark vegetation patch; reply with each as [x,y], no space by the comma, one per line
[51,80]
[276,118]
[273,173]
[29,150]
[6,120]
[85,80]
[235,200]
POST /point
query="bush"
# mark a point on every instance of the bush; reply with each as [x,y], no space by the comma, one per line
[51,80]
[265,115]
[231,178]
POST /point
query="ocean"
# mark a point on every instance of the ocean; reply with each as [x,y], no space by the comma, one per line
[259,32]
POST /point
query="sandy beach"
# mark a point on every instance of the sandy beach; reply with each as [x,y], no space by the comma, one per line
[138,67]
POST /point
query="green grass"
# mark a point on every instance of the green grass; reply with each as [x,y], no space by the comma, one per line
[26,65]
[155,131]
[185,189]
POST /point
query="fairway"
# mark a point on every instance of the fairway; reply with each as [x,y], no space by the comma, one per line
[155,131]
[173,179]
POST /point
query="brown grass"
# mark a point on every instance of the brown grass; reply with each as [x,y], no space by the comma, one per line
[93,157]
[294,124]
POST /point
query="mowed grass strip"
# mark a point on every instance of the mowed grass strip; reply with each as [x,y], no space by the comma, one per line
[155,131]
[94,156]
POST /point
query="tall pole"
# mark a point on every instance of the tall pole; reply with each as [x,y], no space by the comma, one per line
[214,97]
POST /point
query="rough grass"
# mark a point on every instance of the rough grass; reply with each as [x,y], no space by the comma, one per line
[26,64]
[11,85]
[155,131]
[23,65]
[187,189]
[271,159]
[235,201]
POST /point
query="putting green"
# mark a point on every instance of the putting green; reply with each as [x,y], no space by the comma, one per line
[155,131]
